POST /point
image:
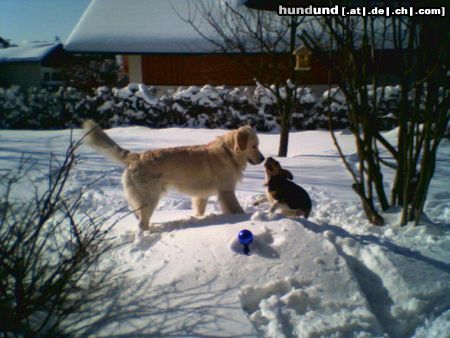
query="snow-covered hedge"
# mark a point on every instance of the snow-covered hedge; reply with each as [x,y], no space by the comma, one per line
[207,106]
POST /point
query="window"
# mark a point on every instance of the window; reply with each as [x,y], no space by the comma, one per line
[56,77]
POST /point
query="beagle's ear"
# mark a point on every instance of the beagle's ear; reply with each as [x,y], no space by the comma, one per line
[287,174]
[241,139]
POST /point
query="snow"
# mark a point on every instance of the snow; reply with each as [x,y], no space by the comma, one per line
[156,27]
[27,53]
[333,275]
[160,27]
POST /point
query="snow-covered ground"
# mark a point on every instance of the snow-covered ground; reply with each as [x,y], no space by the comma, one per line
[333,275]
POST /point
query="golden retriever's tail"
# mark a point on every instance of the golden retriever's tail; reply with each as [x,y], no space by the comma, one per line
[97,139]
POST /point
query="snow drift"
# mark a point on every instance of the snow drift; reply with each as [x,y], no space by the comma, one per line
[333,275]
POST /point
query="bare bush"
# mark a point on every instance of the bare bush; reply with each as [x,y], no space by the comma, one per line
[49,250]
[416,49]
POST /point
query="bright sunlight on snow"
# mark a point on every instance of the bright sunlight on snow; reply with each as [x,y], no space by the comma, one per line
[332,275]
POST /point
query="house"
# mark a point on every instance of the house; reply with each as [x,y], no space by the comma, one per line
[31,65]
[5,43]
[160,48]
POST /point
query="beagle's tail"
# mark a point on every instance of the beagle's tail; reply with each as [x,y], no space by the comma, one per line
[97,139]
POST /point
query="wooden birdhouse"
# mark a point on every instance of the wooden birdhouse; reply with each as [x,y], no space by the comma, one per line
[302,59]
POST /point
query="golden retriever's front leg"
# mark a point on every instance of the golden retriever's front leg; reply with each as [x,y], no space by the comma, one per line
[229,203]
[145,213]
[199,205]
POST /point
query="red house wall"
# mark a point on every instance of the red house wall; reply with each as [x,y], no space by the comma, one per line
[220,69]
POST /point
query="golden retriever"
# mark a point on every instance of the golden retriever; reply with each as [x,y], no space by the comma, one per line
[199,171]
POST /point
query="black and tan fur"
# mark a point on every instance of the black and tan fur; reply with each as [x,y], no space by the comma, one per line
[284,194]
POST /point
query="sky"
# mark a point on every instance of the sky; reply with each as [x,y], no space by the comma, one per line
[39,20]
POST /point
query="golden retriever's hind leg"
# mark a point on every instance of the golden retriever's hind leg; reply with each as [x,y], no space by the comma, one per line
[142,198]
[199,205]
[229,203]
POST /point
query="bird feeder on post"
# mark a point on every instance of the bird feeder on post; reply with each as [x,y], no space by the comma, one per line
[302,59]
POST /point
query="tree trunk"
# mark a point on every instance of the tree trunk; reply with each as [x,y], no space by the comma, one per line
[284,139]
[286,106]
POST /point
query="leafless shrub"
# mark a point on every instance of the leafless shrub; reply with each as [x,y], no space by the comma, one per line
[49,250]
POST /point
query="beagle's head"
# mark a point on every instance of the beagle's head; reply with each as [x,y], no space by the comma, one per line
[273,168]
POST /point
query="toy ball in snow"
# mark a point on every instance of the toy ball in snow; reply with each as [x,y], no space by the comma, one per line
[245,238]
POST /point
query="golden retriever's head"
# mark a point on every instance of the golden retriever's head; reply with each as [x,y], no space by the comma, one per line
[273,168]
[246,143]
[243,142]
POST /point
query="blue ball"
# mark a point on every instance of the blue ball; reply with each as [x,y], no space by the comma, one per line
[245,237]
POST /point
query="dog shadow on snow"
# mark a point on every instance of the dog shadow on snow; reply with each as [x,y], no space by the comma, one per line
[144,240]
[139,307]
[197,222]
[262,244]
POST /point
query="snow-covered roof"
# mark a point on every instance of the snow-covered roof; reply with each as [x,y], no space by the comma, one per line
[29,52]
[137,26]
[159,26]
